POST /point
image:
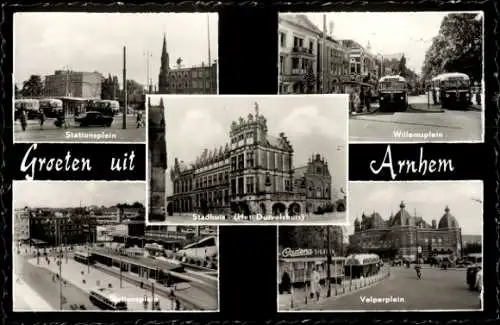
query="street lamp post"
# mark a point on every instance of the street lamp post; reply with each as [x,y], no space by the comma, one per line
[60,285]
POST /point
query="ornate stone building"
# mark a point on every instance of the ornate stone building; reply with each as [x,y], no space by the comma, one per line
[189,80]
[252,173]
[403,234]
[157,161]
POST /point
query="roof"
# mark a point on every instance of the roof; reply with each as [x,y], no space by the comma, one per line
[398,77]
[360,259]
[451,75]
[447,221]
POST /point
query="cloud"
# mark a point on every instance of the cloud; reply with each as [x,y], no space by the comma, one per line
[308,120]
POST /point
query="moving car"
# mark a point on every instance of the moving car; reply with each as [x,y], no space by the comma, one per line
[94,118]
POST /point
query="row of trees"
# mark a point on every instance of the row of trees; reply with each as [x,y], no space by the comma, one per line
[457,47]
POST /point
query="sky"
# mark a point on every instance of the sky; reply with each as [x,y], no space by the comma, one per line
[44,42]
[313,124]
[429,199]
[54,194]
[410,33]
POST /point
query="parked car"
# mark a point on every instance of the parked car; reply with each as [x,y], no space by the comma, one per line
[473,272]
[94,118]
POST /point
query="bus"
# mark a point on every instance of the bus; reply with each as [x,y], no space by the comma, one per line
[105,299]
[393,93]
[362,265]
[452,90]
[83,258]
[108,107]
[51,107]
[31,106]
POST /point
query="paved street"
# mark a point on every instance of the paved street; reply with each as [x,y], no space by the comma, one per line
[114,133]
[421,123]
[437,290]
[72,272]
[310,219]
[39,280]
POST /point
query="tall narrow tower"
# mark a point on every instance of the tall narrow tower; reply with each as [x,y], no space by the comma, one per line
[157,161]
[163,84]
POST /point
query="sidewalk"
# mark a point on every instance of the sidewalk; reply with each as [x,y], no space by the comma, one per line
[79,275]
[301,300]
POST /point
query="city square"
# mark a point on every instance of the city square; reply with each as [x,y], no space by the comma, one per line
[61,97]
[403,87]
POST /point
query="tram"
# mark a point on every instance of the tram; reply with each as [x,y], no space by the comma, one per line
[51,107]
[453,90]
[206,247]
[393,93]
[106,299]
[362,265]
[31,106]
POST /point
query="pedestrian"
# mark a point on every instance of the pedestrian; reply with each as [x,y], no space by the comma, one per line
[356,101]
[478,95]
[42,118]
[139,119]
[315,285]
[362,96]
[368,100]
[24,122]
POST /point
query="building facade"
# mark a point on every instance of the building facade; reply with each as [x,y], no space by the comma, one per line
[157,161]
[363,63]
[57,228]
[406,235]
[21,225]
[104,216]
[251,174]
[298,50]
[74,84]
[191,80]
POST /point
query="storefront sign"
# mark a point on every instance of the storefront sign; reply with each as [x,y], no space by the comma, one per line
[304,252]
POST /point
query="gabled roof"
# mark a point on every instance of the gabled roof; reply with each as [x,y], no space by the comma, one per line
[300,20]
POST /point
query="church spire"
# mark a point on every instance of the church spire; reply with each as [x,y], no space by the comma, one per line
[165,64]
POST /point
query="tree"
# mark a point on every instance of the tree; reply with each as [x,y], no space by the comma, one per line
[179,62]
[110,87]
[456,48]
[16,91]
[472,248]
[135,92]
[33,87]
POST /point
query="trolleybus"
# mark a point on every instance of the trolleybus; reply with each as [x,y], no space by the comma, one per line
[453,90]
[393,93]
[106,299]
[362,265]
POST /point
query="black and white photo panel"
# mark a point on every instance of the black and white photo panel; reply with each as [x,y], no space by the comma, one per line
[84,77]
[85,246]
[404,241]
[411,76]
[247,159]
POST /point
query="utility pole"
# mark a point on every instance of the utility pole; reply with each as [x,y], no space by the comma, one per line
[324,60]
[121,271]
[59,261]
[209,56]
[328,260]
[148,79]
[153,295]
[125,99]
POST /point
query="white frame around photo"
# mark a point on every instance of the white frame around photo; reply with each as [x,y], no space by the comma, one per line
[251,98]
